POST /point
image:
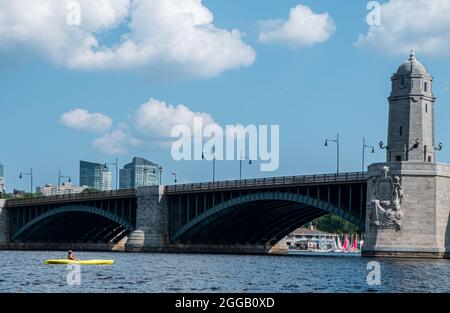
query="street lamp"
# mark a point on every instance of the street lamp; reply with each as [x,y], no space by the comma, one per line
[337,150]
[160,169]
[59,180]
[240,164]
[382,146]
[31,178]
[214,162]
[387,148]
[116,164]
[364,153]
[175,177]
[144,179]
[439,147]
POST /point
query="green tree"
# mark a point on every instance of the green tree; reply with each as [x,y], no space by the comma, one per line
[331,223]
[26,195]
[90,190]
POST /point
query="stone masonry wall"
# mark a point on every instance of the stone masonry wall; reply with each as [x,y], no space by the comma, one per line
[151,221]
[426,206]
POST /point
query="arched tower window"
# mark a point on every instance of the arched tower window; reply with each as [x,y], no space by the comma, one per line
[425,86]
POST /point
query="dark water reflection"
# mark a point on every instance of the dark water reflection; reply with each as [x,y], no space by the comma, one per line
[22,271]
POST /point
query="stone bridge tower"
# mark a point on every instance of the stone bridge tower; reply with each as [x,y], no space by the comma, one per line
[408,195]
[411,114]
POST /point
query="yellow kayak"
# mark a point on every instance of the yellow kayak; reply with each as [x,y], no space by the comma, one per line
[86,262]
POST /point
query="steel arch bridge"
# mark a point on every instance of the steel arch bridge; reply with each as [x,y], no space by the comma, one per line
[261,211]
[91,217]
[252,212]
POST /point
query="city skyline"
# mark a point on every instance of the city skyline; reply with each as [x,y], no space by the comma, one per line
[65,183]
[332,83]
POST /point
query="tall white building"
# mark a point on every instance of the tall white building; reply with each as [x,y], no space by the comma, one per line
[139,173]
[106,181]
[2,179]
[95,175]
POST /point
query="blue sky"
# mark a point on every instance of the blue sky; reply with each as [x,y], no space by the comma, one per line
[311,91]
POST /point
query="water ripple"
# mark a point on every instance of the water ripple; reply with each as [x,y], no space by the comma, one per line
[23,271]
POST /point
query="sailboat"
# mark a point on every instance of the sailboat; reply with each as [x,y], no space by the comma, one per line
[339,244]
[355,246]
[346,245]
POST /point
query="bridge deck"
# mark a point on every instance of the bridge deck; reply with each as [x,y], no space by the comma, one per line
[76,197]
[256,183]
[269,182]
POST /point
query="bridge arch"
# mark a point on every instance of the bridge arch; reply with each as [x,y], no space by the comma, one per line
[72,209]
[275,213]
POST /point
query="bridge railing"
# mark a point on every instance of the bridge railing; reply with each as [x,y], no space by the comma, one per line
[269,181]
[83,196]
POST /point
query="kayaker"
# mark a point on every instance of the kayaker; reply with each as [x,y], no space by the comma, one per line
[71,255]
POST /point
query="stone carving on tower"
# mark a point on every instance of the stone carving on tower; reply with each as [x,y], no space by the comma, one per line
[386,200]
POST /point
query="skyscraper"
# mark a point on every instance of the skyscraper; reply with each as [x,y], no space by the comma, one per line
[2,178]
[95,175]
[139,173]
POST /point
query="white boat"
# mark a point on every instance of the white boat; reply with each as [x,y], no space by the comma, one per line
[312,242]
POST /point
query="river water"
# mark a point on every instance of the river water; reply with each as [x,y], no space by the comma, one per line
[24,271]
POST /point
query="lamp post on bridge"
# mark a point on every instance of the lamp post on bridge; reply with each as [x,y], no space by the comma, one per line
[144,178]
[59,181]
[337,150]
[383,146]
[31,178]
[214,162]
[175,177]
[439,147]
[240,164]
[364,146]
[160,169]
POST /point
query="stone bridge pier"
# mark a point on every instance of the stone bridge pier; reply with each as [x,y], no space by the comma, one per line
[408,210]
[152,232]
[152,222]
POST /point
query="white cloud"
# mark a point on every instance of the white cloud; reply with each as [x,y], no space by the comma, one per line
[174,37]
[421,25]
[116,142]
[82,119]
[156,118]
[151,122]
[302,29]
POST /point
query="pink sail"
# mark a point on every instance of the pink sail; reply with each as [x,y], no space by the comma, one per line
[346,242]
[355,245]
